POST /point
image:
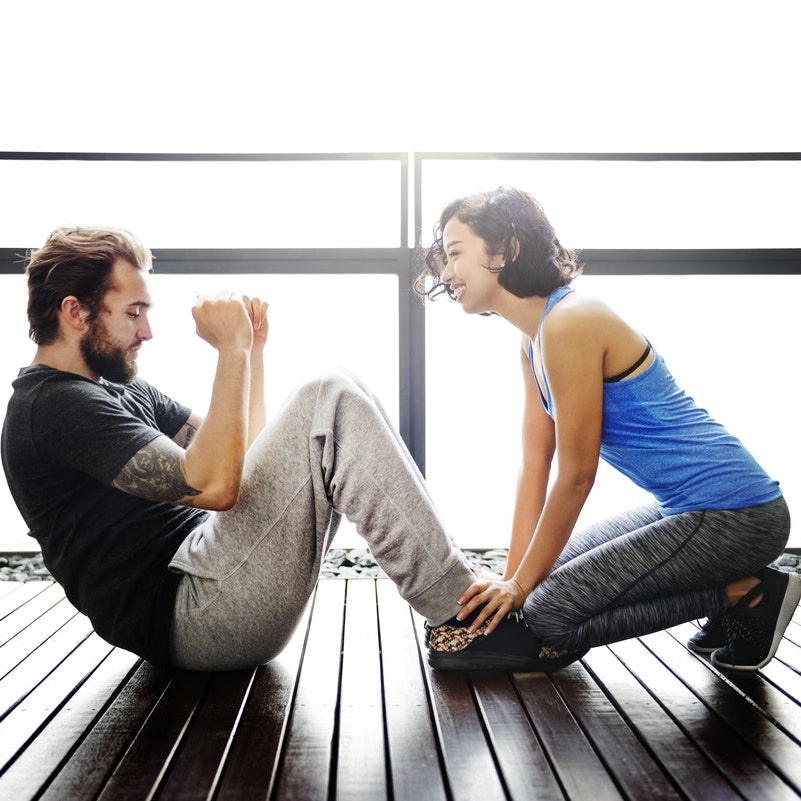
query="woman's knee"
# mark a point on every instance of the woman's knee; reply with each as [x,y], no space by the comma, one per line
[549,624]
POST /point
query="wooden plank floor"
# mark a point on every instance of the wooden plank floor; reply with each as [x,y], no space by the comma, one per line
[351,711]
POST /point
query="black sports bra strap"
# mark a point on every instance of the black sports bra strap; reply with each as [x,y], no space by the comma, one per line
[621,376]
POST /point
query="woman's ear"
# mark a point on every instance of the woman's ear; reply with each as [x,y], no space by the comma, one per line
[514,244]
[74,313]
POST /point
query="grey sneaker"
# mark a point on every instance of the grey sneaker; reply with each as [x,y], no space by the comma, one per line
[754,632]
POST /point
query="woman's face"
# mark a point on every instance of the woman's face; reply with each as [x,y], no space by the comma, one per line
[466,270]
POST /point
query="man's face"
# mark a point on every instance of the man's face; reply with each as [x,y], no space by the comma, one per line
[111,344]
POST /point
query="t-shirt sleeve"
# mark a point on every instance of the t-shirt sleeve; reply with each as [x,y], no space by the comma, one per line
[85,428]
[170,415]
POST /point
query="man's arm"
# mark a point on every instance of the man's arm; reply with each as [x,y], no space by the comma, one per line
[207,472]
[156,473]
[188,430]
[257,416]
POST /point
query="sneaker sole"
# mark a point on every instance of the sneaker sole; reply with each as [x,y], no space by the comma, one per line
[458,660]
[699,649]
[792,595]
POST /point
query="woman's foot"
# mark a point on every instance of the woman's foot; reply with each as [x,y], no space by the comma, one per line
[754,632]
[710,637]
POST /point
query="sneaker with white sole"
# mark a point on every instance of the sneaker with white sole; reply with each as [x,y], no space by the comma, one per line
[754,632]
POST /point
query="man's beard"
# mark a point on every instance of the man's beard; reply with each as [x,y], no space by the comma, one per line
[106,359]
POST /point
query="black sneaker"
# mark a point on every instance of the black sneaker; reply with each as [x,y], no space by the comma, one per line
[710,637]
[512,646]
[755,632]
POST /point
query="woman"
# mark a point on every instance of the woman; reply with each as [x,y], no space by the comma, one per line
[596,388]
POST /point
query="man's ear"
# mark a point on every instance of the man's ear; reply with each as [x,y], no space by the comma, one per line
[74,313]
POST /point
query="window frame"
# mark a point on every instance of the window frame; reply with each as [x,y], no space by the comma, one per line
[400,260]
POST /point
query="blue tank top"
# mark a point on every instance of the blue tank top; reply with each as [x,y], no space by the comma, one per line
[665,443]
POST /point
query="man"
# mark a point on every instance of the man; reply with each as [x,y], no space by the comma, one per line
[196,542]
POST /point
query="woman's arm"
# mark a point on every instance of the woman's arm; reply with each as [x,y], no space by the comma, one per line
[538,446]
[573,360]
[573,354]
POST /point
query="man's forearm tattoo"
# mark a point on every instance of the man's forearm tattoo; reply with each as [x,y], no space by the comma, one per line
[185,435]
[154,473]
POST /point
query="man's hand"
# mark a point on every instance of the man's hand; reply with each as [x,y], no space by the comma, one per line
[497,597]
[257,311]
[223,321]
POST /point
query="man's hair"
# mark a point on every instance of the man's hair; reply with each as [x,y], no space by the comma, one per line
[76,261]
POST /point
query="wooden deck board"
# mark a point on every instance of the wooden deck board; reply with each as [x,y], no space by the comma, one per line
[351,710]
[522,758]
[576,763]
[412,745]
[308,748]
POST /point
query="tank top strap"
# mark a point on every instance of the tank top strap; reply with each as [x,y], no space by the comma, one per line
[554,298]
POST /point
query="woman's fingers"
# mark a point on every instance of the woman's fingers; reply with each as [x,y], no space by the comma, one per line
[494,601]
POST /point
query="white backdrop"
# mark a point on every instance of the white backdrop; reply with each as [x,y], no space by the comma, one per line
[456,76]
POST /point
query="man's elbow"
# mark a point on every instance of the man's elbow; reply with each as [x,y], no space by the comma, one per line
[229,494]
[221,503]
[222,496]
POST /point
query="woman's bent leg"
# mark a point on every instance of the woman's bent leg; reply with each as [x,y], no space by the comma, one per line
[635,574]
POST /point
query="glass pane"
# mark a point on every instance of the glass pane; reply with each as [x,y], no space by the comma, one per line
[317,322]
[636,204]
[726,340]
[174,204]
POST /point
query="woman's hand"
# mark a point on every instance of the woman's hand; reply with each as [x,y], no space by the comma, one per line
[496,598]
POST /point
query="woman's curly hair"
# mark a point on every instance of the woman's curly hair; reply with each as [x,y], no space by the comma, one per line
[512,224]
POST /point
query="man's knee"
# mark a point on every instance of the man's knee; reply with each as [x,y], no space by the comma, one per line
[338,383]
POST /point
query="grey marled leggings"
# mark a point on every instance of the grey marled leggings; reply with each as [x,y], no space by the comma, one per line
[641,572]
[249,572]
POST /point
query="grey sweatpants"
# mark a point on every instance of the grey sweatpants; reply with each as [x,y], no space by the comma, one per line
[249,571]
[641,572]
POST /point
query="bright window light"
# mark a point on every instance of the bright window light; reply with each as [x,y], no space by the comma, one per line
[207,204]
[639,204]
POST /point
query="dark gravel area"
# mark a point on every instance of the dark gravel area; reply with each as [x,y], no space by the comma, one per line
[359,562]
[339,563]
[23,567]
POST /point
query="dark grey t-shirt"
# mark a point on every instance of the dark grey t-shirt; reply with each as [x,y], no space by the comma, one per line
[64,440]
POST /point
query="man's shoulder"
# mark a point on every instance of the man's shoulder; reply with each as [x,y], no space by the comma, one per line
[42,374]
[46,382]
[38,376]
